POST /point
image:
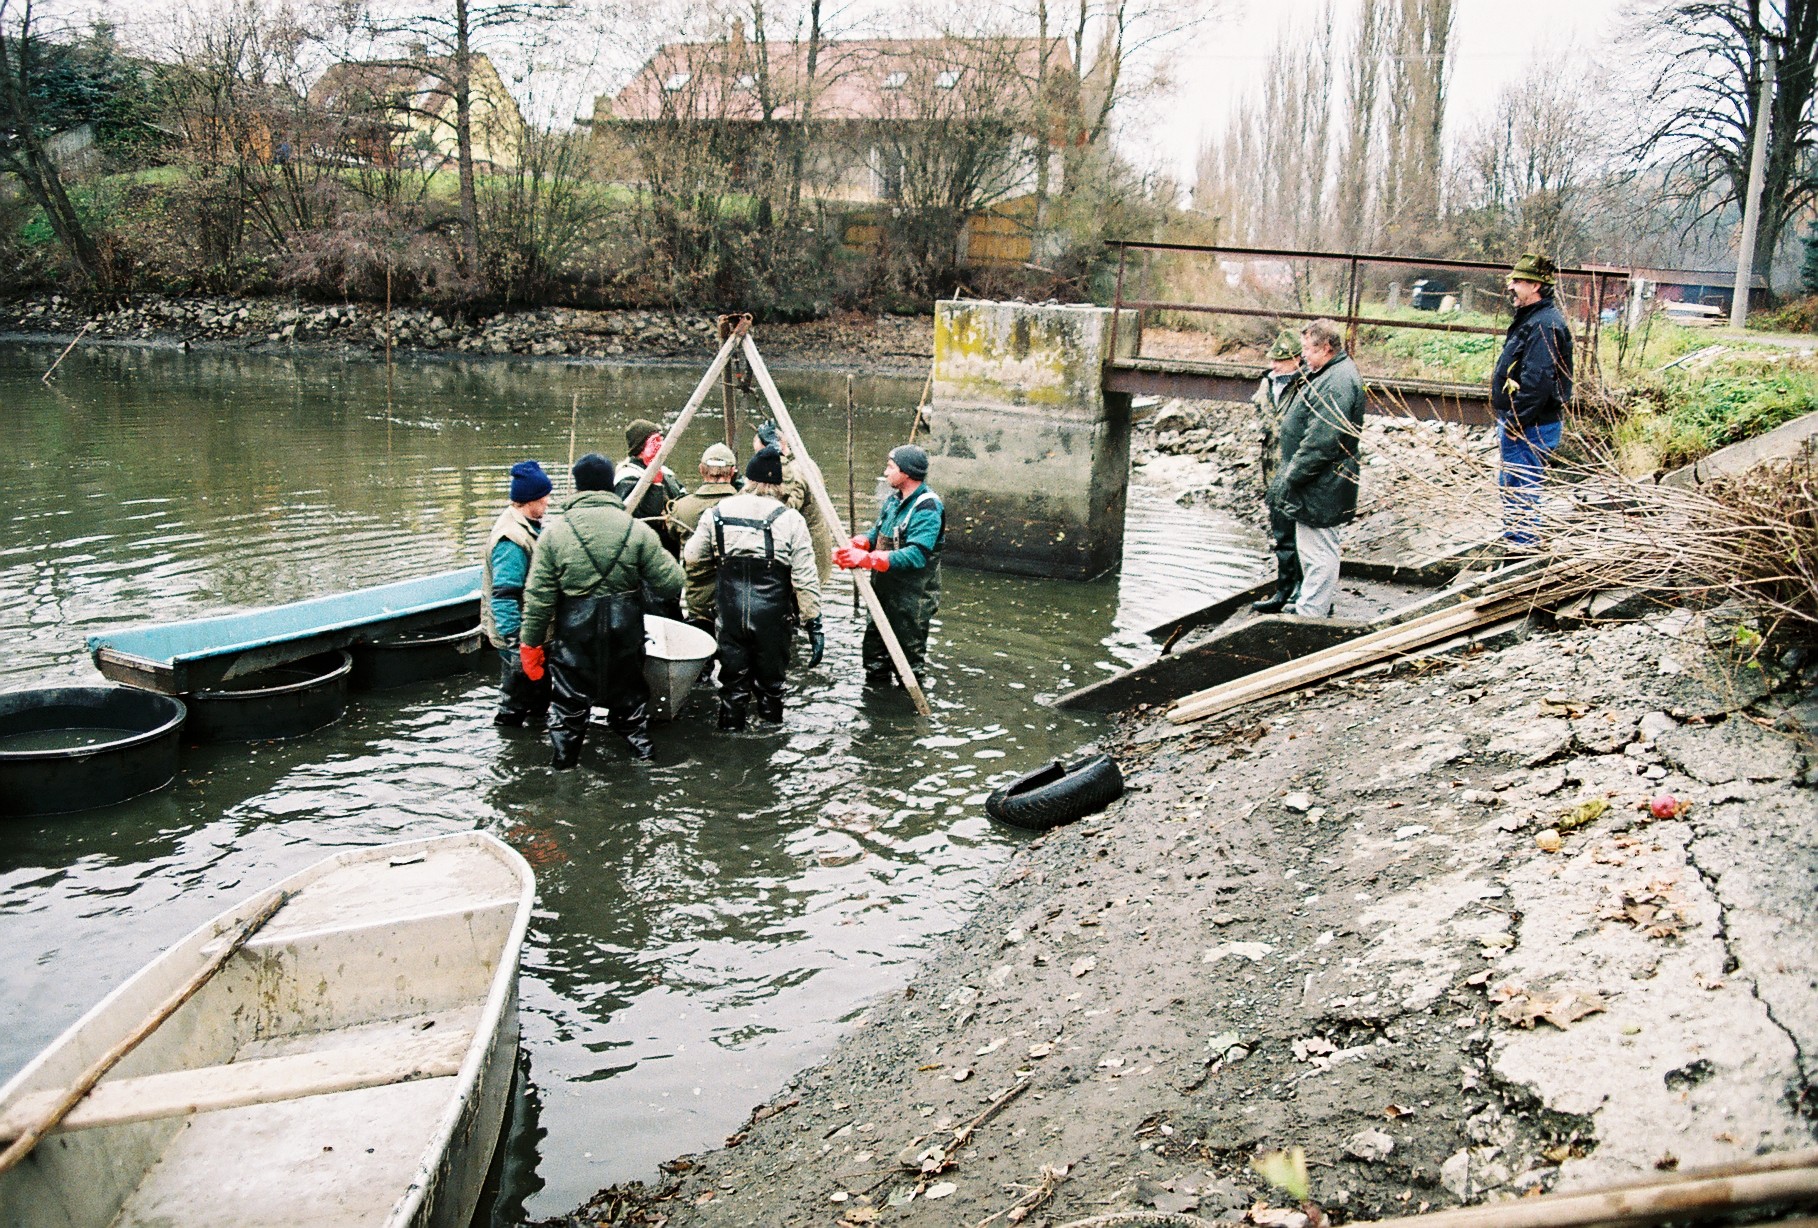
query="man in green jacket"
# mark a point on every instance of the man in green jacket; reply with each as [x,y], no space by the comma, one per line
[582,600]
[1317,484]
[904,550]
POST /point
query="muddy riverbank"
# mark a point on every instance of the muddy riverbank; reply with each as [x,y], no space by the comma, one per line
[878,344]
[1423,922]
[1338,921]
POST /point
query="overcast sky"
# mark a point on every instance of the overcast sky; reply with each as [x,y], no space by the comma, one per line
[1494,42]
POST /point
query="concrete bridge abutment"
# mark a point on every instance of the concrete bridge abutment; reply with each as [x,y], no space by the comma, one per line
[1031,453]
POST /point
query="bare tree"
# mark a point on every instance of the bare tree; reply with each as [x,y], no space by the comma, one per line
[1705,61]
[30,112]
[1358,163]
[444,43]
[1270,177]
[1415,115]
[1527,175]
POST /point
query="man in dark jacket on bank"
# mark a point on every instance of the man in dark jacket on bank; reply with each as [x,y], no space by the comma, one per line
[1317,484]
[1529,390]
[582,599]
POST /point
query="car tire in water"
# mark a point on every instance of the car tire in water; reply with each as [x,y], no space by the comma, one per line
[1057,794]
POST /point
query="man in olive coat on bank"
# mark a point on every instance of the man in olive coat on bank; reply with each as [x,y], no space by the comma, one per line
[1317,484]
[582,600]
[1278,388]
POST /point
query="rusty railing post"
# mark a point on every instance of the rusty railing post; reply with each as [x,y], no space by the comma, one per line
[1117,301]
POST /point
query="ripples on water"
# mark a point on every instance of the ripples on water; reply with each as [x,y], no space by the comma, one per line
[705,925]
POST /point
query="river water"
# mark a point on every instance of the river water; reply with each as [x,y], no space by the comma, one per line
[706,924]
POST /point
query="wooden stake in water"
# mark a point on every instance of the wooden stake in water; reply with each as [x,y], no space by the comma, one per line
[574,415]
[65,354]
[388,341]
[851,487]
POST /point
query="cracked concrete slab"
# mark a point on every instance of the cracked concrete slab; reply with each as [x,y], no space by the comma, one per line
[1684,1060]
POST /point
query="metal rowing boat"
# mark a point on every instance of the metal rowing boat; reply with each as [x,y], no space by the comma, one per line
[347,1065]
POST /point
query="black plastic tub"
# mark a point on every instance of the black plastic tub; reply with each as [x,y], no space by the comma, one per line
[285,701]
[441,651]
[79,747]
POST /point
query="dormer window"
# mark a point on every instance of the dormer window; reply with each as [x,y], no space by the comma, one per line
[896,80]
[676,82]
[947,79]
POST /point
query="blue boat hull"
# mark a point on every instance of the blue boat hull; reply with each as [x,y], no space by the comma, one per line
[176,658]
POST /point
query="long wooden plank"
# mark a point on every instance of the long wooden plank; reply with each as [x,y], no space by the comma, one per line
[1380,645]
[178,1093]
[831,515]
[1678,1197]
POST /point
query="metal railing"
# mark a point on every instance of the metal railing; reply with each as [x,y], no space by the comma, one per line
[1584,289]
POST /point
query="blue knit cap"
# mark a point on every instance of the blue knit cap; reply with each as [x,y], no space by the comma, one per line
[528,482]
[593,472]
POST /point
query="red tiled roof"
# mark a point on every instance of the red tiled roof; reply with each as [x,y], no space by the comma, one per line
[853,79]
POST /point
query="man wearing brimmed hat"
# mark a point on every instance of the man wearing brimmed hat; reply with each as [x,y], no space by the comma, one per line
[583,601]
[1271,399]
[719,468]
[903,550]
[1529,390]
[760,553]
[502,575]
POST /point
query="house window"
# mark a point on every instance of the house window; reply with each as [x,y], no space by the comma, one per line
[947,79]
[676,81]
[896,80]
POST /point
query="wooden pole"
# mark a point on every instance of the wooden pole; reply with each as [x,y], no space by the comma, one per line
[851,482]
[1682,1196]
[687,415]
[574,416]
[916,425]
[22,1146]
[831,515]
[45,379]
[727,388]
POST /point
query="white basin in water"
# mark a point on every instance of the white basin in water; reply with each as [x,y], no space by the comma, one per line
[675,656]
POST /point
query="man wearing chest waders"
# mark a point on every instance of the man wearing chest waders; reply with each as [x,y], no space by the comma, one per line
[582,599]
[766,581]
[903,550]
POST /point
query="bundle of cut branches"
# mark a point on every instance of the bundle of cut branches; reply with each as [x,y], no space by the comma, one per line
[1752,536]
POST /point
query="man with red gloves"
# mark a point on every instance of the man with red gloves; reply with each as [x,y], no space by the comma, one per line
[582,599]
[903,553]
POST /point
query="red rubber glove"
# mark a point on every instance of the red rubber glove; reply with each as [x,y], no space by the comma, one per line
[861,543]
[530,656]
[848,556]
[871,560]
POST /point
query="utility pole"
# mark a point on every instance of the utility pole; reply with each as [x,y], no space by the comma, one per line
[1751,205]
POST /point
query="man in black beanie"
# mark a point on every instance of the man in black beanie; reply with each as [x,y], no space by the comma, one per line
[582,601]
[766,583]
[903,550]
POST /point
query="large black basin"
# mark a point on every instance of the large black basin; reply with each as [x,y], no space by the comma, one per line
[75,748]
[284,701]
[441,651]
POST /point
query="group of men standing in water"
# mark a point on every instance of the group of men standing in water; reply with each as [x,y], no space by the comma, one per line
[563,599]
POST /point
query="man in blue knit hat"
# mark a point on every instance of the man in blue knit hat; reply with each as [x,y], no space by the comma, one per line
[508,549]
